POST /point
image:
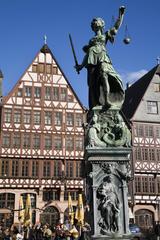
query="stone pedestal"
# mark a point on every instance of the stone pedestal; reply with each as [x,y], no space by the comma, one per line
[107,173]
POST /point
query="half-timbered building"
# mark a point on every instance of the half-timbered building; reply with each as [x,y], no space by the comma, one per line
[142,108]
[41,143]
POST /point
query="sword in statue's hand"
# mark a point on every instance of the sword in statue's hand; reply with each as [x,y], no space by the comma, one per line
[74,54]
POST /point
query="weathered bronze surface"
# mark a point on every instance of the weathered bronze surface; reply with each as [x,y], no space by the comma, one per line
[107,139]
[105,85]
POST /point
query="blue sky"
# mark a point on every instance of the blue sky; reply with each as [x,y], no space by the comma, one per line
[23,24]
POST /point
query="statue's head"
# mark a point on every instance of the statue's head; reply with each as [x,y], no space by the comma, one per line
[95,118]
[107,179]
[97,24]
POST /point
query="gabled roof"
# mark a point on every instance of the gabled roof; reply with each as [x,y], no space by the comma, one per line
[45,49]
[135,93]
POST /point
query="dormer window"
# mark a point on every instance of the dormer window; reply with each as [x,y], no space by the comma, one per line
[152,107]
[157,87]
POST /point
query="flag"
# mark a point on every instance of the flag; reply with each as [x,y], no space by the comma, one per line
[79,215]
[28,211]
[74,232]
[21,210]
[70,209]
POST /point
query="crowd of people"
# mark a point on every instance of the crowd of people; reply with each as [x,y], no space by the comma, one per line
[45,232]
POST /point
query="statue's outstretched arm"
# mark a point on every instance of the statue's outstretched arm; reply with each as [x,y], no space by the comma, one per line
[113,31]
[120,18]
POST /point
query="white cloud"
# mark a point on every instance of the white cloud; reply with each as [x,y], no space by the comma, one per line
[130,77]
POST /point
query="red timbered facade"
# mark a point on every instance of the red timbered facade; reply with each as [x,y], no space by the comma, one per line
[142,108]
[41,144]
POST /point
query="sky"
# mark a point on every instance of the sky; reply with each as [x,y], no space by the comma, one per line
[23,24]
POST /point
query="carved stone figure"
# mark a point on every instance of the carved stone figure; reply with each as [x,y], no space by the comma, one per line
[109,206]
[105,85]
[107,128]
[115,169]
[93,139]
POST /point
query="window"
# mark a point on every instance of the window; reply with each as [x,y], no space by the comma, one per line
[73,194]
[69,169]
[144,184]
[46,169]
[4,167]
[37,92]
[57,142]
[47,93]
[152,154]
[158,131]
[15,168]
[6,141]
[148,131]
[157,87]
[79,144]
[55,70]
[48,142]
[69,143]
[26,140]
[158,154]
[145,154]
[55,93]
[34,68]
[19,92]
[48,68]
[41,68]
[78,169]
[63,94]
[51,194]
[17,116]
[57,168]
[70,98]
[24,168]
[58,118]
[7,115]
[137,184]
[138,154]
[27,91]
[36,141]
[16,140]
[33,199]
[7,200]
[139,131]
[69,119]
[27,117]
[158,184]
[37,117]
[35,169]
[151,185]
[48,118]
[79,120]
[152,107]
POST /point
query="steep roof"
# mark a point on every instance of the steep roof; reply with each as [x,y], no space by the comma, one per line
[45,49]
[135,93]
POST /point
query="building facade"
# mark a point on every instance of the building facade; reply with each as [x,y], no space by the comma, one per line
[142,109]
[41,143]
